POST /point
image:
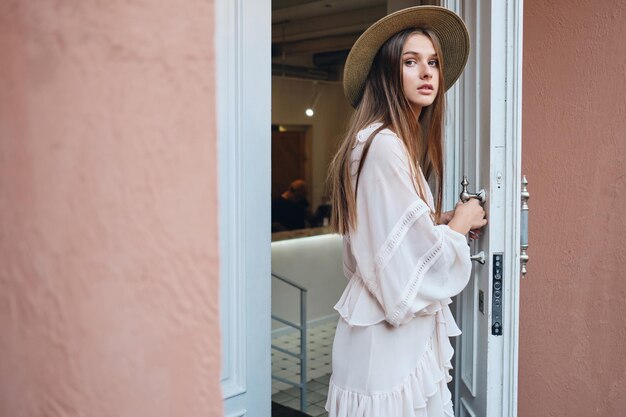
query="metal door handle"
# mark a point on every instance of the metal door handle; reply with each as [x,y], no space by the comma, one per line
[465,195]
[479,257]
[524,226]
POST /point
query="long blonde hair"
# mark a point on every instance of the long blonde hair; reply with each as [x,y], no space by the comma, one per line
[381,102]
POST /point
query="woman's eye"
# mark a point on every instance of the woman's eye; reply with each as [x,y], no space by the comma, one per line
[433,63]
[410,62]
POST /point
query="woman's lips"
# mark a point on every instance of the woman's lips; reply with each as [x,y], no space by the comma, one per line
[426,89]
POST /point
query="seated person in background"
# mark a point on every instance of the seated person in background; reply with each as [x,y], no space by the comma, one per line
[289,211]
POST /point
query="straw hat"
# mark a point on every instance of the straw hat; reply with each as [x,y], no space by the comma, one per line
[448,27]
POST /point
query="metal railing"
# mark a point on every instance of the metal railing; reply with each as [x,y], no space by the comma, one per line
[302,327]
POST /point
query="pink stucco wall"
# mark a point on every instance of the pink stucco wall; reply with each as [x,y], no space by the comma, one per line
[108,209]
[573,303]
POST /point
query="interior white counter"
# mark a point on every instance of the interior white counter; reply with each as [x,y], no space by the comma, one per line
[315,263]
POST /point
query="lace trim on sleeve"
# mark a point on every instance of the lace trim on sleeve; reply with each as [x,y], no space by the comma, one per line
[417,275]
[393,241]
[395,238]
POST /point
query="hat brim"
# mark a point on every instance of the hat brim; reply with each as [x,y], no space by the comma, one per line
[448,27]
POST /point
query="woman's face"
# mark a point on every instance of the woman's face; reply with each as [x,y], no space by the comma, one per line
[420,71]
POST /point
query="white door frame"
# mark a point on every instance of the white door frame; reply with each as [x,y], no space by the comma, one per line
[242,42]
[504,130]
[243,81]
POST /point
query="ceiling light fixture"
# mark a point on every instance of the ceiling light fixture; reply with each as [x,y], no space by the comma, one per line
[310,109]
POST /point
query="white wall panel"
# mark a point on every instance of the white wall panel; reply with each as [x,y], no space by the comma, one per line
[244,145]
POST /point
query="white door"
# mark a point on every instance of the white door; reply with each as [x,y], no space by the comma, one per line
[484,143]
[243,80]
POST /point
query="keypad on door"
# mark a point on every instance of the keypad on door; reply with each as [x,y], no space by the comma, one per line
[496,310]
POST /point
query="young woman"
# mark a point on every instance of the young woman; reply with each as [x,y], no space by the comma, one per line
[403,257]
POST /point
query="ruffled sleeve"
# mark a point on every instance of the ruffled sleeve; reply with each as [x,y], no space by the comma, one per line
[399,261]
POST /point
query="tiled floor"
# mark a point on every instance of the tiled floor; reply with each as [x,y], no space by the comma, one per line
[320,342]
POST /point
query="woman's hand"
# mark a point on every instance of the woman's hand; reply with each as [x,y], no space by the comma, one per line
[446,216]
[475,234]
[468,216]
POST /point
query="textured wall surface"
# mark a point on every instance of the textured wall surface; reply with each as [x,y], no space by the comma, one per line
[573,309]
[108,209]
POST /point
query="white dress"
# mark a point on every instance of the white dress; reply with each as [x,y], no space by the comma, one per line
[392,352]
